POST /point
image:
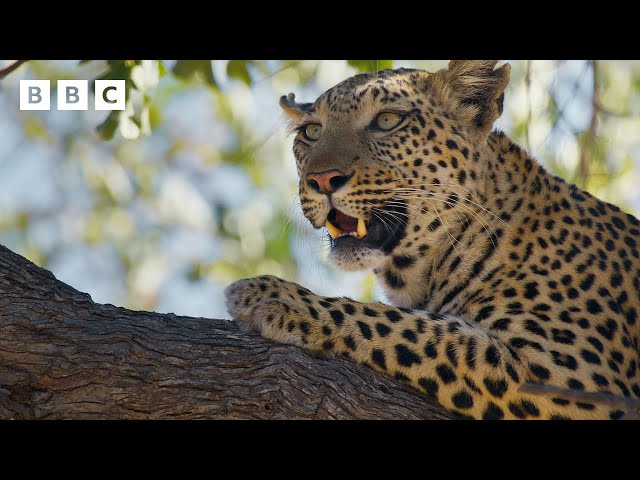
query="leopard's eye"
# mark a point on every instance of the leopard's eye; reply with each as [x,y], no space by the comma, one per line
[388,120]
[312,131]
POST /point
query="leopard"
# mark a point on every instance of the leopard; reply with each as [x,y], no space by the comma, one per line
[496,273]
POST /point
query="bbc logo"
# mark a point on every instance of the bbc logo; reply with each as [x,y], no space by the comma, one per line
[72,95]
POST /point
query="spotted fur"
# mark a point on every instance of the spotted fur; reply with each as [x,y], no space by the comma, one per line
[499,273]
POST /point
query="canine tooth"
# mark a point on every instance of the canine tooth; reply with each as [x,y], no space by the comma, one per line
[334,231]
[362,228]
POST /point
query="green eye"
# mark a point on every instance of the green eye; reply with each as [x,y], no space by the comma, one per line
[388,120]
[312,131]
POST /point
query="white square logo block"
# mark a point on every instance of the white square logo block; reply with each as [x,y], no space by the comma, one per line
[73,95]
[35,94]
[110,95]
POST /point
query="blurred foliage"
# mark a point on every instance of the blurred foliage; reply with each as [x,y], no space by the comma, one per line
[363,66]
[194,185]
[143,75]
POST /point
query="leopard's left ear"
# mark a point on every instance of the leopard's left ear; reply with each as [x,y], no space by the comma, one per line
[473,89]
[294,111]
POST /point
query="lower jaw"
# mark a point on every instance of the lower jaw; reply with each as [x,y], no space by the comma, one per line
[348,241]
[353,255]
[370,242]
[382,236]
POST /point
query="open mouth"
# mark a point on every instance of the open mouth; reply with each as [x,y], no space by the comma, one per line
[382,231]
[339,224]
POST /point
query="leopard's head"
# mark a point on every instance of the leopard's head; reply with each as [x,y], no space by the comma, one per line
[371,150]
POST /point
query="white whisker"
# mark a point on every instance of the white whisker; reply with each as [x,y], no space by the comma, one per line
[451,186]
[485,225]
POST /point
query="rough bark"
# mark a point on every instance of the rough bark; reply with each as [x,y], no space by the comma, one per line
[62,356]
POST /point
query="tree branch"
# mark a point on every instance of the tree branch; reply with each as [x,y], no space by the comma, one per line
[6,71]
[63,356]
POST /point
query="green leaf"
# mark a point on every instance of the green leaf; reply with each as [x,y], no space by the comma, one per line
[238,69]
[155,116]
[161,68]
[370,65]
[119,69]
[188,69]
[107,129]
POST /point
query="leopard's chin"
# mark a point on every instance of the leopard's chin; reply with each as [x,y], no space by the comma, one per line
[348,254]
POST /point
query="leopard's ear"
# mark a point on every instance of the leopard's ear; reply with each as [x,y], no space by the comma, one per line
[473,89]
[294,111]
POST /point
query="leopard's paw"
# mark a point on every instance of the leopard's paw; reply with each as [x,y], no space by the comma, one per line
[243,295]
[268,305]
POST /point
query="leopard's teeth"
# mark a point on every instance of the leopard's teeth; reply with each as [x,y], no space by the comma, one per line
[334,231]
[362,229]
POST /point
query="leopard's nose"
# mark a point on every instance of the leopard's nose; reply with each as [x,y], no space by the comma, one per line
[327,182]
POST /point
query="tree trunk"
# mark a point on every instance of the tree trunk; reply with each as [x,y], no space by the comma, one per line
[62,356]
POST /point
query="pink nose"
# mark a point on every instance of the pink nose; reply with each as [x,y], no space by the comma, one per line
[327,182]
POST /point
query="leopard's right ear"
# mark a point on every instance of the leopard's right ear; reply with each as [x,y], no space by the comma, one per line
[474,89]
[295,111]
